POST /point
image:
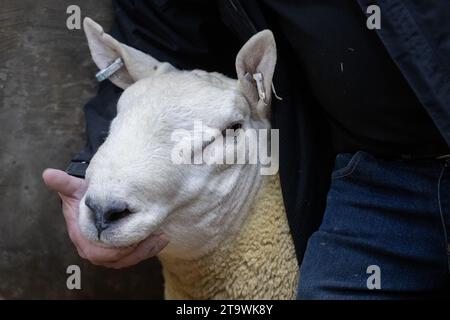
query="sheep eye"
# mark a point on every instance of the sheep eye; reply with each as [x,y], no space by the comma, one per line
[235,126]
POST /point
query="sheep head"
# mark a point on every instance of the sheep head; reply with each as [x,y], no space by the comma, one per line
[135,188]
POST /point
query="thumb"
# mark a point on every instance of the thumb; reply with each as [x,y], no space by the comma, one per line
[61,182]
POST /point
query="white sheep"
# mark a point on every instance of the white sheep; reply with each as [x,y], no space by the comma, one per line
[229,236]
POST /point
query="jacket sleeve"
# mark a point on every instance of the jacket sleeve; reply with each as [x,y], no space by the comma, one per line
[188,34]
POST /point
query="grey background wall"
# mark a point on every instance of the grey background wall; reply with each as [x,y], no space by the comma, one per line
[46,76]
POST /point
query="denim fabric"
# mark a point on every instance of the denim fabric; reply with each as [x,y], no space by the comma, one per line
[393,214]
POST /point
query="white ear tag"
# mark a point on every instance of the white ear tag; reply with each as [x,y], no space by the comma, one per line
[258,77]
[109,70]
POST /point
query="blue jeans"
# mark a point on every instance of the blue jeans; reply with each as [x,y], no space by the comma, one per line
[384,233]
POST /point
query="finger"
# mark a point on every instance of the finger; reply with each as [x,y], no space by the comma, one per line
[100,255]
[73,237]
[146,249]
[70,212]
[81,252]
[61,182]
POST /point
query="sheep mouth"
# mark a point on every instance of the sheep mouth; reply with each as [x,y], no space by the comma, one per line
[118,237]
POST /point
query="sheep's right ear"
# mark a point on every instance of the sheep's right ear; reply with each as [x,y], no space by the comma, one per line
[257,58]
[105,49]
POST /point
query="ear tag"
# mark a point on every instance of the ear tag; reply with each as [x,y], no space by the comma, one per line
[109,70]
[258,77]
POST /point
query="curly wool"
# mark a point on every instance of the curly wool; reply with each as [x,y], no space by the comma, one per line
[259,263]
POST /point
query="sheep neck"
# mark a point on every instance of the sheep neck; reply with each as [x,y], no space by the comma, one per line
[258,263]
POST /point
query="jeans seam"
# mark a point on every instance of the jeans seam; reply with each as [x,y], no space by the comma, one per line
[353,166]
[442,216]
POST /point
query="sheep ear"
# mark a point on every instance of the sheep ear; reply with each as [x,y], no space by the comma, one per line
[105,49]
[257,59]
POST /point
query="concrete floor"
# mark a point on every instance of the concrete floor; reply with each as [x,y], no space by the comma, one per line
[46,76]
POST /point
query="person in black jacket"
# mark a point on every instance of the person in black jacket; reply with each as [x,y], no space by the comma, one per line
[364,132]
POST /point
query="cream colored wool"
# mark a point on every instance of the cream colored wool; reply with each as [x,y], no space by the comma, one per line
[259,263]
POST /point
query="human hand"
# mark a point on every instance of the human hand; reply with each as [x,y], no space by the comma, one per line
[71,190]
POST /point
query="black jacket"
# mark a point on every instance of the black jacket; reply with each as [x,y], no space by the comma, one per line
[208,34]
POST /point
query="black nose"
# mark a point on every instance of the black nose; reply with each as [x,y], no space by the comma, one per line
[106,212]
